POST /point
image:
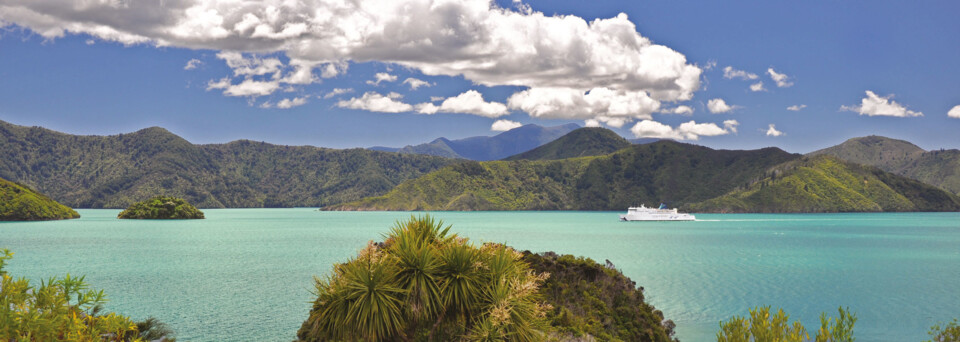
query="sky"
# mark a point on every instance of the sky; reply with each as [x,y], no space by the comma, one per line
[334,73]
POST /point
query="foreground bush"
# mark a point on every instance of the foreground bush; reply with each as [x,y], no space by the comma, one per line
[423,283]
[593,301]
[945,332]
[62,309]
[762,327]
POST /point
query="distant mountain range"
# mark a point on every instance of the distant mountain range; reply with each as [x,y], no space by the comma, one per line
[586,169]
[590,141]
[939,167]
[115,171]
[576,172]
[517,140]
[664,171]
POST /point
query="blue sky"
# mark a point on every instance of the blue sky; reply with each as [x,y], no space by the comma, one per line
[118,67]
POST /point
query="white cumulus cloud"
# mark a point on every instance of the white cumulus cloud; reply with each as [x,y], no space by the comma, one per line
[757,87]
[570,103]
[484,43]
[337,91]
[591,123]
[781,79]
[192,64]
[416,83]
[689,130]
[874,105]
[375,102]
[471,102]
[797,108]
[504,125]
[773,132]
[680,110]
[718,106]
[954,112]
[730,73]
[382,77]
[247,87]
[290,103]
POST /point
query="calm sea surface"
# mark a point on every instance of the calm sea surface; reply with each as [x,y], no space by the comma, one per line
[246,274]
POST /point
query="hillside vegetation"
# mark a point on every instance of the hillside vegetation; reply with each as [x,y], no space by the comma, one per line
[583,142]
[827,184]
[20,203]
[116,171]
[664,171]
[939,167]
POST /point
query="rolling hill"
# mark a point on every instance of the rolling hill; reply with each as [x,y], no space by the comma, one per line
[116,171]
[939,167]
[825,183]
[20,203]
[482,148]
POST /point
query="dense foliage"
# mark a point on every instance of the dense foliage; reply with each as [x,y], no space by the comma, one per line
[592,301]
[826,184]
[583,142]
[116,171]
[20,203]
[939,167]
[763,327]
[482,148]
[64,309]
[425,284]
[663,171]
[161,208]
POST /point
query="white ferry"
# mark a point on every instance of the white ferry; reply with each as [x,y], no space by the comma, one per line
[643,213]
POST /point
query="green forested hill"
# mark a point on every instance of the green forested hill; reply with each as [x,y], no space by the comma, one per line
[19,203]
[116,171]
[664,171]
[827,184]
[583,142]
[940,167]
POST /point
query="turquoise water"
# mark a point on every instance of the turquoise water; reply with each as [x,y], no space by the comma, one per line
[246,274]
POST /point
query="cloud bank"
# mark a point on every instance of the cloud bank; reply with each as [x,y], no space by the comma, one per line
[604,63]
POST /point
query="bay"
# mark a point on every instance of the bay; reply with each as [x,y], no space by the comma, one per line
[246,274]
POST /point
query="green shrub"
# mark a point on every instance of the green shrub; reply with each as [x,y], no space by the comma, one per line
[763,327]
[945,332]
[63,309]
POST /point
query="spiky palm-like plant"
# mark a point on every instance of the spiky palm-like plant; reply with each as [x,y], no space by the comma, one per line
[424,283]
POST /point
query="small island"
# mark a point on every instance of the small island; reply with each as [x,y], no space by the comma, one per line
[20,203]
[162,208]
